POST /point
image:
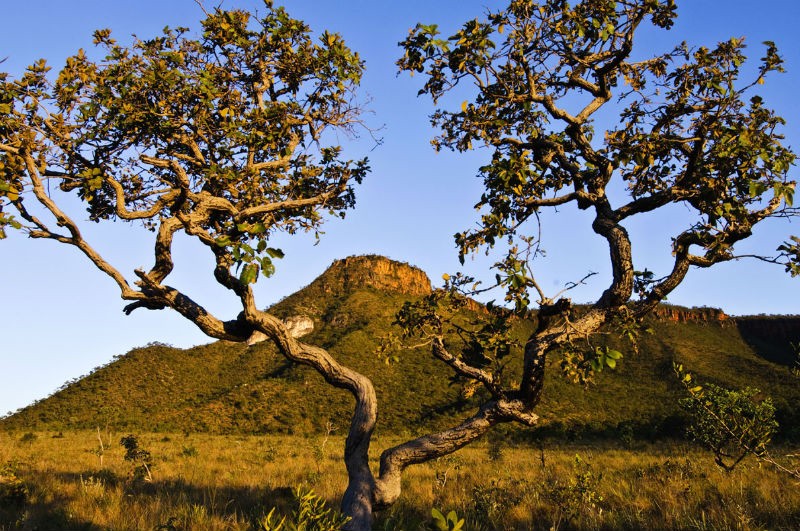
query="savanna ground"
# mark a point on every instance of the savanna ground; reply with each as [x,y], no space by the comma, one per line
[54,481]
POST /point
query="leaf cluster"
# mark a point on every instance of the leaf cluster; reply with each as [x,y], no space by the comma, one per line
[476,341]
[579,365]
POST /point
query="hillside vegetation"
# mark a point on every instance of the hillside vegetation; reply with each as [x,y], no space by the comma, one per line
[232,388]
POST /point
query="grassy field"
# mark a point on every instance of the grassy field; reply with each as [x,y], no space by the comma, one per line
[52,481]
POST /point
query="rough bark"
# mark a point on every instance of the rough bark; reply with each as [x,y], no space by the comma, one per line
[358,498]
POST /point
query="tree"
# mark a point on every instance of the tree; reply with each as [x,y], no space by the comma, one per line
[225,139]
[690,131]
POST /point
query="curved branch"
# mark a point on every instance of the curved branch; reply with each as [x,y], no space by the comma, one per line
[122,211]
[289,204]
[422,449]
[558,200]
[646,204]
[619,245]
[163,249]
[75,238]
[160,296]
[9,149]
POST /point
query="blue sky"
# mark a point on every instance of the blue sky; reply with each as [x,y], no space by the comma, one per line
[60,317]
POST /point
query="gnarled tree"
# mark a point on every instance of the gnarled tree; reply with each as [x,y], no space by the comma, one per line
[688,131]
[225,139]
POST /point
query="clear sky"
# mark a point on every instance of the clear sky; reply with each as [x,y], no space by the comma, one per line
[60,317]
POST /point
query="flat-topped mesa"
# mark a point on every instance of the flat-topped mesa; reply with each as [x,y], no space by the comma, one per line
[376,272]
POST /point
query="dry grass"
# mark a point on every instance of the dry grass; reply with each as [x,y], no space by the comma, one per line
[203,482]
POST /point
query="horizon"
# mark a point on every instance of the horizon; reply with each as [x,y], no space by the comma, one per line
[407,209]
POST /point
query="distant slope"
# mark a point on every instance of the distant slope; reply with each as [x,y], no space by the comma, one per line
[231,388]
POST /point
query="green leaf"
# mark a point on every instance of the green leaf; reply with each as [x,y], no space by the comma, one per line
[757,188]
[249,274]
[275,253]
[614,354]
[612,363]
[267,267]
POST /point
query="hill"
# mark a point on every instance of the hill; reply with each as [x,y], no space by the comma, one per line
[225,387]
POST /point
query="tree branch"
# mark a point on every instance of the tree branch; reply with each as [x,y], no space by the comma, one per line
[422,449]
[464,369]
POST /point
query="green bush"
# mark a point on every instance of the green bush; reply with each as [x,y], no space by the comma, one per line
[141,458]
[731,423]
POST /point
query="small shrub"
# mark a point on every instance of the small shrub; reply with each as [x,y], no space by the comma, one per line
[446,468]
[670,470]
[93,487]
[575,498]
[270,454]
[451,522]
[491,503]
[170,525]
[189,451]
[310,514]
[28,438]
[141,459]
[731,423]
[494,452]
[13,492]
[626,434]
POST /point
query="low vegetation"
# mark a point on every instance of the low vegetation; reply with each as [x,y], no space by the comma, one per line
[206,482]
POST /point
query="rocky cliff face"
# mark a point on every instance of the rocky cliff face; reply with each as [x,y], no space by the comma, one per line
[679,314]
[377,272]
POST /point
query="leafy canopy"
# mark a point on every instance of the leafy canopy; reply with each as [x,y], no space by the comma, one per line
[684,127]
[225,136]
[690,130]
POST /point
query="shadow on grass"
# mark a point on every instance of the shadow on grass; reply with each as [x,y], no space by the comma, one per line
[179,496]
[42,515]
